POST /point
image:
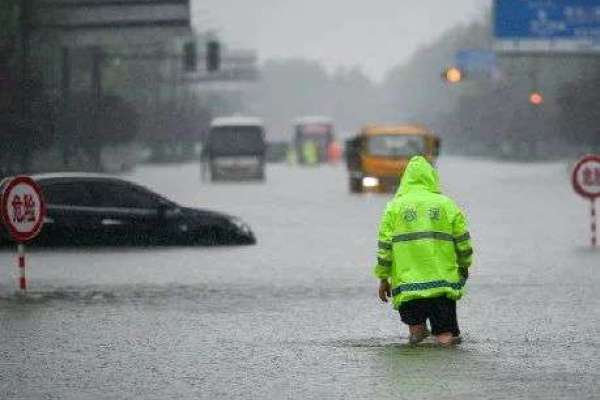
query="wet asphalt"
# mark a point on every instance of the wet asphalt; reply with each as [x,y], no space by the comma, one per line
[297,316]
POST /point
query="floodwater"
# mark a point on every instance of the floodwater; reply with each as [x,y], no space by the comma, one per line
[297,315]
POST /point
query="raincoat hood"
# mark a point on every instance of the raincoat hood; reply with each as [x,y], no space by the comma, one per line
[419,175]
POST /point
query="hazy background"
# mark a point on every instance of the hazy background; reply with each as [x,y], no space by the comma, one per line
[355,62]
[374,36]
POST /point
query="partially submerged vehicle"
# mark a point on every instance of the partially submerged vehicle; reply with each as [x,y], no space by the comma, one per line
[377,156]
[96,209]
[235,149]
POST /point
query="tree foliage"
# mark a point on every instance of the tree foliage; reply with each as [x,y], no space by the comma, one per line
[492,115]
[579,102]
[27,124]
[94,123]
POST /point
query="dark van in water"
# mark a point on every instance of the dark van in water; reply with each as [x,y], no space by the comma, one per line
[235,149]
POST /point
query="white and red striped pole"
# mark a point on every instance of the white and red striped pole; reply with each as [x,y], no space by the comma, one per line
[21,265]
[593,225]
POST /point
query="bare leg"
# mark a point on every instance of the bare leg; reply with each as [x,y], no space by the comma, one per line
[446,339]
[417,333]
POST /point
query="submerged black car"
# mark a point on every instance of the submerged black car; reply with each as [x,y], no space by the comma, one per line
[94,209]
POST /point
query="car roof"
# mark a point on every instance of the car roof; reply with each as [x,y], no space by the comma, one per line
[79,176]
[399,129]
[236,121]
[74,175]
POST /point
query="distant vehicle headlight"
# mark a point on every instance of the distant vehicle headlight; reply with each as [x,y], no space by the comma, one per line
[370,181]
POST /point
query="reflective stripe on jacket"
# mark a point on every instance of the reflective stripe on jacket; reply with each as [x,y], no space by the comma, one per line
[423,239]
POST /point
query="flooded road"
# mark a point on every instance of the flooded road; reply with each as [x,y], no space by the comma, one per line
[297,316]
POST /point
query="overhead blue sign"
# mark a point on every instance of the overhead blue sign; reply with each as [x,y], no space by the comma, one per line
[547,19]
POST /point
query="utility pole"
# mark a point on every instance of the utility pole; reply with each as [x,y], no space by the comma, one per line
[24,79]
[24,36]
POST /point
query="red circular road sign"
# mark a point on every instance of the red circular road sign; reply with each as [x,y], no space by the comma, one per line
[586,177]
[23,208]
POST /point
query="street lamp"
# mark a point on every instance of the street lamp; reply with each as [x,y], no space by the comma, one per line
[536,98]
[452,75]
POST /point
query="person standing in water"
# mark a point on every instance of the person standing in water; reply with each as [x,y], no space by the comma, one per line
[424,254]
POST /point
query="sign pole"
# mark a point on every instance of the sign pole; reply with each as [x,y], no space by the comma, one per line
[585,179]
[21,265]
[23,210]
[593,224]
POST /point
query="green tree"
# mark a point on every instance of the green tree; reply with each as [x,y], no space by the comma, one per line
[26,125]
[579,119]
[95,123]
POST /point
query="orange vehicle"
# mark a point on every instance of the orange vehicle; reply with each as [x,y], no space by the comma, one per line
[377,156]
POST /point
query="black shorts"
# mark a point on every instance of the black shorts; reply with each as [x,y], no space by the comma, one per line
[440,311]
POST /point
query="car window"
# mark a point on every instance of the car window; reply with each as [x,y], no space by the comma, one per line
[395,145]
[66,193]
[234,140]
[117,194]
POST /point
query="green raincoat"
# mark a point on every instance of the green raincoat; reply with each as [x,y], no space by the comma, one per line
[424,245]
[310,152]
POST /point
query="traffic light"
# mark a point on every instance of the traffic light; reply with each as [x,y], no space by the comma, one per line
[190,58]
[213,55]
[536,98]
[453,75]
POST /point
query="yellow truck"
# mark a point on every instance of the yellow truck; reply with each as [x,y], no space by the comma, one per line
[377,156]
